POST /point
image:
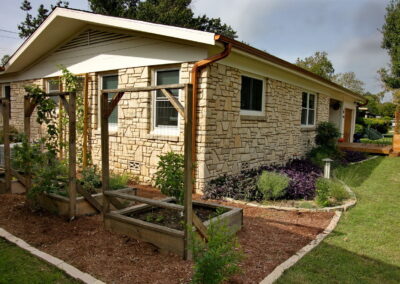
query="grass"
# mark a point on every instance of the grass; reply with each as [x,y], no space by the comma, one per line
[18,266]
[365,246]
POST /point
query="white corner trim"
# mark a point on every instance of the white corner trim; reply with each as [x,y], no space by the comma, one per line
[278,271]
[60,264]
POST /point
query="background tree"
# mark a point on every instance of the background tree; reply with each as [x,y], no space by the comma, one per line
[4,60]
[168,12]
[349,81]
[391,42]
[318,63]
[31,23]
[387,109]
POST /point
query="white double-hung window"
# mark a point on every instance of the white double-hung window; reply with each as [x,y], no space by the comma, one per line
[308,104]
[165,116]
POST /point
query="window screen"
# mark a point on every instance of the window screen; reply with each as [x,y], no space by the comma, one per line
[251,94]
[165,114]
[111,82]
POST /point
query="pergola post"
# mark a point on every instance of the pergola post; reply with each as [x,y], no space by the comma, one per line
[72,153]
[105,163]
[188,165]
[5,105]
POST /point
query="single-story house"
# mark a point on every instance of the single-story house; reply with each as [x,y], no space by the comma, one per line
[253,108]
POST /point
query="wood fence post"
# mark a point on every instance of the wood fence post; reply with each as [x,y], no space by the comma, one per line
[85,122]
[72,155]
[7,151]
[105,163]
[188,164]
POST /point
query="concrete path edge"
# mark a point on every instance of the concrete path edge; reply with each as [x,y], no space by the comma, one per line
[278,271]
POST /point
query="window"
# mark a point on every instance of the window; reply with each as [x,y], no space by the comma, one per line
[308,109]
[111,82]
[165,115]
[251,96]
[53,86]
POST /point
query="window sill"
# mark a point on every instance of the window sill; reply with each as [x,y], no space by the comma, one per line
[308,128]
[253,117]
[161,137]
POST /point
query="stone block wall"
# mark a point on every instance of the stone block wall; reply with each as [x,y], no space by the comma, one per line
[234,142]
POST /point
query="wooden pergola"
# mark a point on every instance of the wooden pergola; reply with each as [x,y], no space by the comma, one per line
[190,218]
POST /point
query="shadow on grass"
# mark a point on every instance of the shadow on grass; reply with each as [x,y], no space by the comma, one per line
[359,173]
[332,264]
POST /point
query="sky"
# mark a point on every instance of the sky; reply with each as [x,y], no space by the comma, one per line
[347,30]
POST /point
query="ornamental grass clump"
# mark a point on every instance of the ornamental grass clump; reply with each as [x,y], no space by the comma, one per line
[216,260]
[272,185]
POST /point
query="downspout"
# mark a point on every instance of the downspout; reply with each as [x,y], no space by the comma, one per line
[197,67]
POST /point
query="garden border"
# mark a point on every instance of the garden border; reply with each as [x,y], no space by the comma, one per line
[278,271]
[54,261]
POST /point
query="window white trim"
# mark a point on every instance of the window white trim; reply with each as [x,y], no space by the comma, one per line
[254,112]
[308,124]
[164,129]
[112,127]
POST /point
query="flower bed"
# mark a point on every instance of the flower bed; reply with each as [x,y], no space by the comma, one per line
[302,174]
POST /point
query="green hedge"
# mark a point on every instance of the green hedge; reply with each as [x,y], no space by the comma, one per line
[380,124]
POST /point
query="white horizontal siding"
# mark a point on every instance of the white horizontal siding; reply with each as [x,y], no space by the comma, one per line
[122,53]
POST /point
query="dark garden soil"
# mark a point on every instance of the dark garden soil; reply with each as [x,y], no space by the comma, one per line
[171,218]
[268,238]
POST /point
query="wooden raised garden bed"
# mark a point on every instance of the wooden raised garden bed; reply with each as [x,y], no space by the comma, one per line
[163,227]
[59,204]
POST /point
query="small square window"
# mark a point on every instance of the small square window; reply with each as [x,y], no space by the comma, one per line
[53,86]
[251,95]
[308,109]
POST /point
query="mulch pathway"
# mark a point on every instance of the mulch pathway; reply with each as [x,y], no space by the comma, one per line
[268,238]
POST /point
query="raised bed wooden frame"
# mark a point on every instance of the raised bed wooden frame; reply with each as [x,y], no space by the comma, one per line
[166,239]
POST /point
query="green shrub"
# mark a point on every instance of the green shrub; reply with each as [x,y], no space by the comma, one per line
[322,192]
[90,179]
[317,154]
[329,192]
[272,185]
[218,259]
[118,181]
[327,135]
[382,125]
[359,129]
[170,175]
[373,134]
[27,156]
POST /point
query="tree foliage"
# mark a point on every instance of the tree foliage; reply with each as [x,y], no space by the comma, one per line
[167,12]
[318,63]
[4,60]
[349,81]
[31,23]
[391,42]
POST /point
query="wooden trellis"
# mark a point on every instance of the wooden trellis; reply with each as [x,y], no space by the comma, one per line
[106,109]
[29,106]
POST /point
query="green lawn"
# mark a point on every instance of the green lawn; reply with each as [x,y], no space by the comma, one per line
[19,267]
[382,141]
[365,246]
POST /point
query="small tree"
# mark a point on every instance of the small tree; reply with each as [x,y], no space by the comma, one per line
[327,135]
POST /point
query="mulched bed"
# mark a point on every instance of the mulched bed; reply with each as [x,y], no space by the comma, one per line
[268,238]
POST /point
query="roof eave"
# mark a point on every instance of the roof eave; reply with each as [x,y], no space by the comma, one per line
[285,64]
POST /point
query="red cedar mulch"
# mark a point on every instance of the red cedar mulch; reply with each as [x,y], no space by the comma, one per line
[268,238]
